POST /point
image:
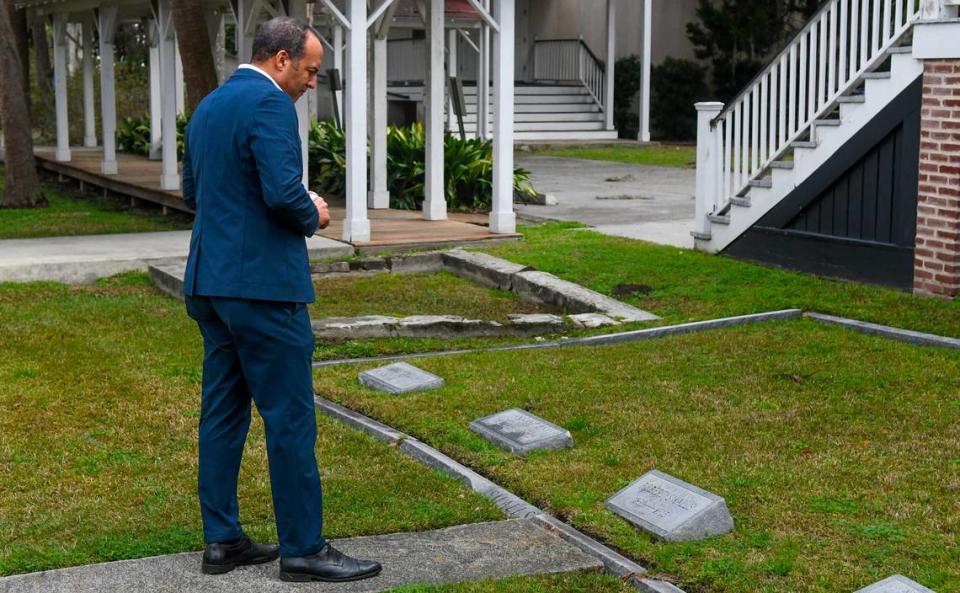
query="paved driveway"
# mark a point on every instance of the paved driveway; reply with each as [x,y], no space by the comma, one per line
[637,201]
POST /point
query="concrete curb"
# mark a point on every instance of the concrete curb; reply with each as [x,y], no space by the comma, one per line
[606,339]
[886,331]
[508,502]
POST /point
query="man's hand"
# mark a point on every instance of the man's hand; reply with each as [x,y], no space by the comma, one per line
[322,209]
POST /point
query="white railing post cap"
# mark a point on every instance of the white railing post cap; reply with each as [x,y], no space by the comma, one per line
[709,106]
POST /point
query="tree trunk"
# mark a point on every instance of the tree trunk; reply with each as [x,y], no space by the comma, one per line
[22,185]
[18,21]
[41,50]
[200,75]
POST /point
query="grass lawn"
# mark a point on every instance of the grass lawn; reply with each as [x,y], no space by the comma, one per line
[70,213]
[684,286]
[838,453]
[688,285]
[400,295]
[100,389]
[662,155]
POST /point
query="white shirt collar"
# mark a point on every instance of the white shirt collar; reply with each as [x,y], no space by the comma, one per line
[255,69]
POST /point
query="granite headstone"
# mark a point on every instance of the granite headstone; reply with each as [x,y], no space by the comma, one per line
[400,377]
[520,431]
[896,584]
[671,509]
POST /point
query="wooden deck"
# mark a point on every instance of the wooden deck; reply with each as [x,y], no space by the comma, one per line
[390,230]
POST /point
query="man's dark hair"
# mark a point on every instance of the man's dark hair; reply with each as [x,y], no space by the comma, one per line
[281,33]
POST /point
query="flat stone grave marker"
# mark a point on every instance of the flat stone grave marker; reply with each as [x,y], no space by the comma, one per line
[671,509]
[896,584]
[520,431]
[400,377]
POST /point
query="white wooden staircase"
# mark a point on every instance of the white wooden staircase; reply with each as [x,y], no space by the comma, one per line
[542,113]
[849,62]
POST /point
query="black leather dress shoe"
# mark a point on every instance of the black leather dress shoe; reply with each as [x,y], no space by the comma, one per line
[329,565]
[223,557]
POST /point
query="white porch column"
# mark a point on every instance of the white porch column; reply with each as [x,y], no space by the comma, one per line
[379,196]
[108,101]
[502,217]
[338,63]
[708,168]
[483,79]
[60,84]
[181,87]
[245,30]
[611,57]
[89,117]
[644,134]
[356,226]
[451,71]
[155,115]
[170,178]
[434,201]
[298,10]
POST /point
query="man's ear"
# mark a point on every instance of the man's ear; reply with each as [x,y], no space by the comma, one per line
[282,59]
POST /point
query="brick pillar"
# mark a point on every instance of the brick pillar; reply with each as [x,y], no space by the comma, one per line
[936,269]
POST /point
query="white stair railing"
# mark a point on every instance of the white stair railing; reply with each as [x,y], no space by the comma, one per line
[843,40]
[568,60]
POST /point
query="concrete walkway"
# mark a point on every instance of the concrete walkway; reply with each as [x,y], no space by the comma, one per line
[636,201]
[86,258]
[456,554]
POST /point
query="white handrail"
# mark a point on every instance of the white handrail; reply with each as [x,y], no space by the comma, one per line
[828,57]
[568,60]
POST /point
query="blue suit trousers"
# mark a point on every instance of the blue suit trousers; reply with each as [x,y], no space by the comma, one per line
[259,351]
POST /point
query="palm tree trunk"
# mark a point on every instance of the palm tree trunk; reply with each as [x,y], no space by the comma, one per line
[23,185]
[200,75]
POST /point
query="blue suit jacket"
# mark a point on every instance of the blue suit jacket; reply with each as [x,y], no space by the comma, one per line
[242,173]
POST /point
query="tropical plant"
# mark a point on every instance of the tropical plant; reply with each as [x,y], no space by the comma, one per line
[468,167]
[133,135]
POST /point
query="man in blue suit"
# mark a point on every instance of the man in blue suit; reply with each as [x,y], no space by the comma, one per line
[247,284]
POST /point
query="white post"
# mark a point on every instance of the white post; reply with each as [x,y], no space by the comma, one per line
[356,226]
[932,10]
[644,135]
[89,117]
[379,196]
[483,79]
[502,217]
[434,200]
[451,71]
[108,101]
[60,84]
[155,114]
[170,177]
[338,64]
[245,33]
[181,87]
[708,168]
[611,57]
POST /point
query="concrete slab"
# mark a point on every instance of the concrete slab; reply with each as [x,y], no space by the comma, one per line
[86,258]
[636,201]
[456,554]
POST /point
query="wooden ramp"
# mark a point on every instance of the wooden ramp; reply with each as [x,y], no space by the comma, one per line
[390,230]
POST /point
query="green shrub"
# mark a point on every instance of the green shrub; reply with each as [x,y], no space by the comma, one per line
[675,86]
[468,167]
[627,73]
[133,135]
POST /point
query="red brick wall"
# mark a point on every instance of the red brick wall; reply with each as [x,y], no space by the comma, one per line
[936,268]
